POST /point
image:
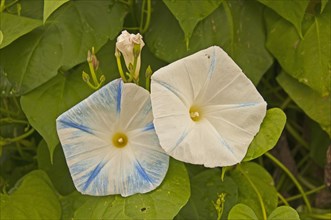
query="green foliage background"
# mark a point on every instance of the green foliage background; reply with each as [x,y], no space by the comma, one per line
[283,46]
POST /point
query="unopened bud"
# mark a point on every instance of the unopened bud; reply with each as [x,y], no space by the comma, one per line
[85,77]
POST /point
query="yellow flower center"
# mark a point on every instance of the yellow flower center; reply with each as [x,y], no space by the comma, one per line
[120,140]
[195,113]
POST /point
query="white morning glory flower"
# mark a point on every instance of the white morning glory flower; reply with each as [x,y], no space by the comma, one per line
[110,144]
[206,111]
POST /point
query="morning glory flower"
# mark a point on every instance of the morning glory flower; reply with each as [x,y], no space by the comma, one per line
[206,111]
[110,144]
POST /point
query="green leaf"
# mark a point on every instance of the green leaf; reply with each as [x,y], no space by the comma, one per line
[50,6]
[162,203]
[284,212]
[311,102]
[237,26]
[33,198]
[57,171]
[60,94]
[249,173]
[62,43]
[190,12]
[14,26]
[206,186]
[242,211]
[270,131]
[307,59]
[293,11]
[44,104]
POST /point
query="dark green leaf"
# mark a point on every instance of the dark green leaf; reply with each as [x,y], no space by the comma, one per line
[33,198]
[236,25]
[312,103]
[270,131]
[57,171]
[307,59]
[242,212]
[14,26]
[62,43]
[284,212]
[206,186]
[293,11]
[162,203]
[247,174]
[190,12]
[323,4]
[50,6]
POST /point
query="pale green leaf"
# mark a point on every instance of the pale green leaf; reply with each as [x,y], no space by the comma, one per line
[190,12]
[313,104]
[284,213]
[62,43]
[162,203]
[206,186]
[307,59]
[270,131]
[60,94]
[293,11]
[237,26]
[32,198]
[14,26]
[242,212]
[249,173]
[50,6]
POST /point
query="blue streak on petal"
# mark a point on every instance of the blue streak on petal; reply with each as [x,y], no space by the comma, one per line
[171,89]
[70,124]
[142,172]
[149,126]
[212,64]
[180,139]
[247,104]
[119,96]
[223,141]
[94,173]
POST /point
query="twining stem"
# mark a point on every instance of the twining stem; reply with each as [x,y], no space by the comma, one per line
[317,189]
[23,136]
[281,197]
[295,181]
[285,103]
[296,136]
[148,12]
[264,213]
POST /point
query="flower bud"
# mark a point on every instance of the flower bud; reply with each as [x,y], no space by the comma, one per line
[91,58]
[130,46]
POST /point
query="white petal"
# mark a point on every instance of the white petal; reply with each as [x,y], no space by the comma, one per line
[96,165]
[232,109]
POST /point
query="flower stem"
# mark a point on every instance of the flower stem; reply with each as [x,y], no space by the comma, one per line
[120,69]
[295,181]
[317,189]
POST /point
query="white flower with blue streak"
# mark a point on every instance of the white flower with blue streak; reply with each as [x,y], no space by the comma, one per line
[110,144]
[206,111]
